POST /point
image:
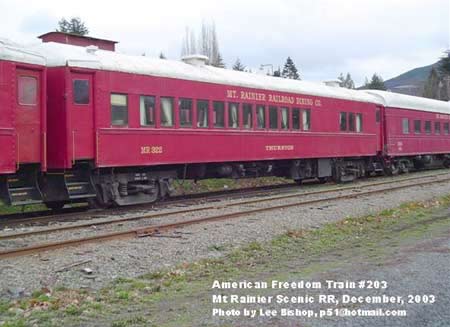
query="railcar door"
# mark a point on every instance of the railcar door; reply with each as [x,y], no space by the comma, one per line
[28,116]
[379,120]
[81,106]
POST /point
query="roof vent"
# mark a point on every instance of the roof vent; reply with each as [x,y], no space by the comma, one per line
[195,60]
[91,49]
[333,83]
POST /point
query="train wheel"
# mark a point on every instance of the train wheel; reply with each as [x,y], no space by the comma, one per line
[404,168]
[298,181]
[323,180]
[392,170]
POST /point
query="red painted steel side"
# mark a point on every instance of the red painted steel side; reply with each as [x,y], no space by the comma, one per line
[400,144]
[72,139]
[22,127]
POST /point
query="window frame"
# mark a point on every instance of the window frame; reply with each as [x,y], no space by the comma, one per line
[437,131]
[351,124]
[191,112]
[127,102]
[252,115]
[306,113]
[299,120]
[214,115]
[19,88]
[238,112]
[361,127]
[446,128]
[280,118]
[257,125]
[88,91]
[343,121]
[429,130]
[197,116]
[406,130]
[154,110]
[172,99]
[273,109]
[417,126]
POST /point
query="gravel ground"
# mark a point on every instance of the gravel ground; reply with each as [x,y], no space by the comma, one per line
[133,257]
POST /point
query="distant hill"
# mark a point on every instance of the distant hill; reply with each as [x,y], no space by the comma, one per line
[411,82]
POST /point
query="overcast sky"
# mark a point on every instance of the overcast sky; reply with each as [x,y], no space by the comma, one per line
[323,37]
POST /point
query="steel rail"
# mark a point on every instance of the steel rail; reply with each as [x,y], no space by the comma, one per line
[153,229]
[204,208]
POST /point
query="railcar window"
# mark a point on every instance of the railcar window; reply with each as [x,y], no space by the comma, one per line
[437,127]
[119,109]
[81,91]
[202,113]
[233,115]
[185,112]
[27,86]
[405,124]
[261,116]
[359,123]
[428,127]
[167,112]
[219,114]
[306,119]
[343,121]
[147,110]
[417,126]
[295,118]
[273,117]
[284,118]
[248,115]
[446,128]
[351,121]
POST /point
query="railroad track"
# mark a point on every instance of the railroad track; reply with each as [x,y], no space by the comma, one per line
[75,213]
[69,214]
[154,229]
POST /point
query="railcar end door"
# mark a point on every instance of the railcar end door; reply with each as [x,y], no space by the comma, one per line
[81,104]
[28,116]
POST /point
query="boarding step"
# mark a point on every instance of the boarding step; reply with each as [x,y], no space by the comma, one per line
[21,189]
[79,185]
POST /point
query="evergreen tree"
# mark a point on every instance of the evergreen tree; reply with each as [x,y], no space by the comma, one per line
[162,56]
[74,26]
[431,87]
[346,81]
[376,83]
[238,66]
[289,70]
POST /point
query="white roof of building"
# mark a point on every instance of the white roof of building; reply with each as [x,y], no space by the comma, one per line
[396,100]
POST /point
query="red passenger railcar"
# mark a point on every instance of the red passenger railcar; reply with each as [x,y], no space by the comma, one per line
[416,131]
[124,126]
[22,123]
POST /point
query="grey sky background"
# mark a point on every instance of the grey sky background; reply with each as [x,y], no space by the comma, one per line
[323,37]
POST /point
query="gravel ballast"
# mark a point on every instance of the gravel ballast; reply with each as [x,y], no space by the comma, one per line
[133,257]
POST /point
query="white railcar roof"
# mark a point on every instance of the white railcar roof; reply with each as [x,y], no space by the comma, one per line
[62,54]
[11,51]
[55,54]
[396,100]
